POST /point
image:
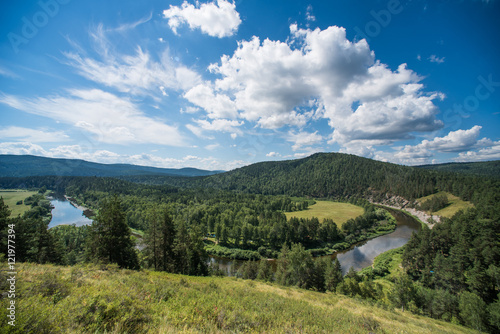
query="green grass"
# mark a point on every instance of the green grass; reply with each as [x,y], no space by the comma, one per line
[338,212]
[12,196]
[456,204]
[93,299]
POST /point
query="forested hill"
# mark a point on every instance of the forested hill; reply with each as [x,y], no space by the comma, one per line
[484,168]
[333,175]
[28,165]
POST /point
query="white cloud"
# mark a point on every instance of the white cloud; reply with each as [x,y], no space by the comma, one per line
[454,141]
[436,59]
[488,153]
[216,105]
[215,19]
[136,74]
[272,82]
[21,148]
[108,118]
[309,15]
[273,154]
[189,110]
[303,139]
[32,135]
[220,125]
[212,147]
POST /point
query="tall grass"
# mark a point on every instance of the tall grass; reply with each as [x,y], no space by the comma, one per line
[98,299]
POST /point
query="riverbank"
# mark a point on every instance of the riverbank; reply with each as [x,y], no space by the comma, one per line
[86,211]
[401,204]
[379,229]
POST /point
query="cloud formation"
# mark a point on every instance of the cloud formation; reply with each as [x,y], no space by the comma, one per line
[272,83]
[107,117]
[136,74]
[214,19]
[454,141]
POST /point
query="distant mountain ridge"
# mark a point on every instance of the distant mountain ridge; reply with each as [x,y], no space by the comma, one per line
[482,168]
[29,165]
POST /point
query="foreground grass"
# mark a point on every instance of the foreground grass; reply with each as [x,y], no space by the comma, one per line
[338,212]
[456,204]
[92,299]
[11,197]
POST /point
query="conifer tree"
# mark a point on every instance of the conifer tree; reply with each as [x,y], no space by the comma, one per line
[109,238]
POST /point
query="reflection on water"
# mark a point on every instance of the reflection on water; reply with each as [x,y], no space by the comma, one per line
[66,214]
[358,256]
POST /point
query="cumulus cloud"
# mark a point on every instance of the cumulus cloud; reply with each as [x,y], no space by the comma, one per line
[454,141]
[216,105]
[214,19]
[272,83]
[108,118]
[487,153]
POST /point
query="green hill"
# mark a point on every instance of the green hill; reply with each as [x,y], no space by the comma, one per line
[92,299]
[333,175]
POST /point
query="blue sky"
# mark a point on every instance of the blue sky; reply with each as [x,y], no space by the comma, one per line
[219,85]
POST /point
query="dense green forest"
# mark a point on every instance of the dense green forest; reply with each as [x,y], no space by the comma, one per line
[450,272]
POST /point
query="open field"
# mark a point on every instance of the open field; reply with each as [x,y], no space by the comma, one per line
[12,196]
[91,298]
[338,212]
[456,204]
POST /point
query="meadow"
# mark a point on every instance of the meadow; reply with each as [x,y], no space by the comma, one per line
[11,197]
[455,204]
[92,298]
[336,211]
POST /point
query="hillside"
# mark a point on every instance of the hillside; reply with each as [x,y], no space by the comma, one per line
[29,165]
[323,175]
[483,168]
[55,299]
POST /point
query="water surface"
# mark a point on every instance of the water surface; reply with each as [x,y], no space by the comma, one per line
[64,213]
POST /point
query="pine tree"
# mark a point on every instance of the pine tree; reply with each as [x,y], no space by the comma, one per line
[333,275]
[4,221]
[109,238]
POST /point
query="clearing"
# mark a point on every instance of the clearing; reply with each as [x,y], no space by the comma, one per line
[12,196]
[455,204]
[336,211]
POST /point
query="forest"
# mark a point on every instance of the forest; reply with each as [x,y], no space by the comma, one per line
[451,272]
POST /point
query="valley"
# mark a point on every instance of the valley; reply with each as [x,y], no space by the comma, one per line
[165,225]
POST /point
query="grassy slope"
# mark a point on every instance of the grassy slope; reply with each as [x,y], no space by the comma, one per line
[11,197]
[456,204]
[79,299]
[338,212]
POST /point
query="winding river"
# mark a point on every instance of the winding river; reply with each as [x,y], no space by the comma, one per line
[360,255]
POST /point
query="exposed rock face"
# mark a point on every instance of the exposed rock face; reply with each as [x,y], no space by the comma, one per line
[397,202]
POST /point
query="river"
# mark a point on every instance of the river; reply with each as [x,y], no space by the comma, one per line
[64,213]
[360,255]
